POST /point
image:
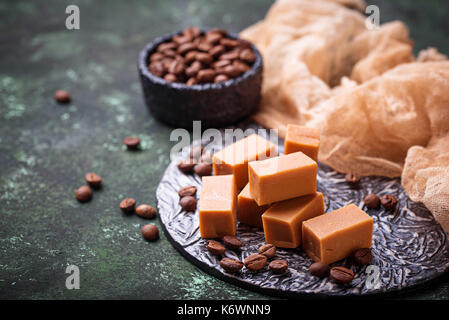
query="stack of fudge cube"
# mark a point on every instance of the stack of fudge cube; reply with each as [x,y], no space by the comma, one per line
[254,185]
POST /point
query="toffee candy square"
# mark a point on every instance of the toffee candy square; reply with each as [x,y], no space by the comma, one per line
[248,211]
[283,221]
[234,158]
[304,139]
[282,178]
[337,234]
[217,206]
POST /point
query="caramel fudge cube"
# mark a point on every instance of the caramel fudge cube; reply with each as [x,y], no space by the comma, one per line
[248,211]
[234,158]
[217,206]
[282,222]
[281,178]
[304,139]
[337,234]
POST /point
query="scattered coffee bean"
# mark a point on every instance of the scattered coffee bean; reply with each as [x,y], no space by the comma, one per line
[268,250]
[389,202]
[62,96]
[146,211]
[278,266]
[352,178]
[132,143]
[341,275]
[83,194]
[319,269]
[215,248]
[187,191]
[195,57]
[255,262]
[372,201]
[203,169]
[186,166]
[128,205]
[93,180]
[232,242]
[231,265]
[188,203]
[363,256]
[150,232]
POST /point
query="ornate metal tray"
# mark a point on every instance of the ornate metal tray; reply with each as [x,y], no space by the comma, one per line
[409,246]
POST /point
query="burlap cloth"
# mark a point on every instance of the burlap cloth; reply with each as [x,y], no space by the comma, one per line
[380,110]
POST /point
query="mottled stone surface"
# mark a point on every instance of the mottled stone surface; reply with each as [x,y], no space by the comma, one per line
[46,148]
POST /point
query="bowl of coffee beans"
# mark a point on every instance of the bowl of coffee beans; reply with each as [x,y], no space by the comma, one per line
[208,75]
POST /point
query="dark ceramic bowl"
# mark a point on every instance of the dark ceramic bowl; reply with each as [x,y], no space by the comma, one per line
[215,104]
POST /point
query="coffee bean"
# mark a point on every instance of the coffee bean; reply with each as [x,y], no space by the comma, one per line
[223,32]
[352,178]
[128,205]
[220,78]
[194,68]
[187,191]
[245,44]
[146,211]
[389,202]
[170,77]
[255,262]
[156,56]
[191,81]
[231,265]
[62,96]
[268,250]
[213,37]
[93,180]
[157,68]
[196,151]
[231,55]
[169,53]
[231,71]
[188,203]
[190,56]
[215,248]
[192,32]
[319,269]
[186,166]
[205,46]
[203,169]
[131,143]
[248,56]
[363,256]
[206,75]
[204,58]
[217,51]
[372,201]
[179,40]
[229,43]
[167,46]
[341,275]
[176,67]
[83,194]
[221,64]
[150,232]
[243,67]
[278,266]
[186,47]
[232,242]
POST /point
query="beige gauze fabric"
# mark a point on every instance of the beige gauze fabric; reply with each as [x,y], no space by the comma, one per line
[380,111]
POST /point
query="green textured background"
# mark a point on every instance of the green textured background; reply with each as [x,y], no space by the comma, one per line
[46,148]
